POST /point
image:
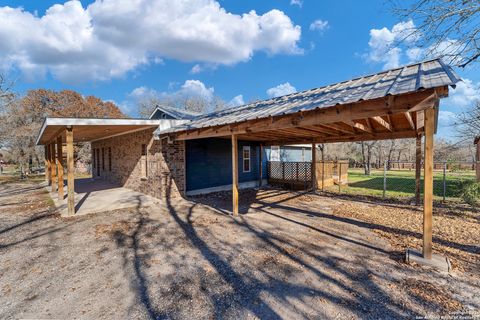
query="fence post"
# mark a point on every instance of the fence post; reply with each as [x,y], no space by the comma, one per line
[339,165]
[444,180]
[384,178]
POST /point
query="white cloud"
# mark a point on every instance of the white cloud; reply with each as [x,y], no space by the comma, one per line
[236,101]
[195,88]
[281,90]
[109,38]
[319,25]
[298,3]
[465,95]
[382,43]
[196,69]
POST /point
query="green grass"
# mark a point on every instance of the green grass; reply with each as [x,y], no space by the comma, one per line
[401,183]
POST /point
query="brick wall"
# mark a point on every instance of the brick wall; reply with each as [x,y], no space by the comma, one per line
[159,173]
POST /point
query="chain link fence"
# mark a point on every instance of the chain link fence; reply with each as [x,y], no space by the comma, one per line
[392,180]
[398,180]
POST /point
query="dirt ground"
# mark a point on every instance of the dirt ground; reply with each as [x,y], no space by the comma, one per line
[288,255]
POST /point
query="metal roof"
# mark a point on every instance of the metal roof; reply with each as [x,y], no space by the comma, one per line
[410,78]
[176,113]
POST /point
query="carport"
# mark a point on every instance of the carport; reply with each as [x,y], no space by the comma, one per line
[394,104]
[59,135]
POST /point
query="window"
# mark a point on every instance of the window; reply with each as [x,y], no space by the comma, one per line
[246,159]
[103,159]
[109,159]
[143,162]
[275,153]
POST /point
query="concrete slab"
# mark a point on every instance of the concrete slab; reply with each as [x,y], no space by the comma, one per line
[438,262]
[95,196]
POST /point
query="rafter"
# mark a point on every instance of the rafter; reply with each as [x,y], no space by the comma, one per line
[408,116]
[348,130]
[382,122]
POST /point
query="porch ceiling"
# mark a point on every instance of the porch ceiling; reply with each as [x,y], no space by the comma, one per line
[91,129]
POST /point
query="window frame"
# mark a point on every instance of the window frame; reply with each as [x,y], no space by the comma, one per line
[249,159]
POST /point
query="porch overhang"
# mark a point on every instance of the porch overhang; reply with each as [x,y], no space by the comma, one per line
[90,129]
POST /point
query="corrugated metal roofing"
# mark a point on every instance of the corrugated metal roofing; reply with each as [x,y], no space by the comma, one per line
[406,79]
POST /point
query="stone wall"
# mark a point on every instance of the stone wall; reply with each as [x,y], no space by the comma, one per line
[159,173]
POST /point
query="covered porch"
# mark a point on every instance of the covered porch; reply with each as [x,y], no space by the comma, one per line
[394,104]
[87,195]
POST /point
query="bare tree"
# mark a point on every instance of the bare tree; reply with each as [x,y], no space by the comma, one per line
[447,28]
[367,148]
[468,123]
[195,103]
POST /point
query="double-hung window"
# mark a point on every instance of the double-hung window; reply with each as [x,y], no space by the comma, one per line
[246,159]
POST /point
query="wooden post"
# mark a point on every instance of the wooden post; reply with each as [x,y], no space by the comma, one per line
[428,183]
[53,157]
[60,167]
[260,169]
[477,164]
[234,175]
[418,169]
[314,168]
[70,173]
[47,164]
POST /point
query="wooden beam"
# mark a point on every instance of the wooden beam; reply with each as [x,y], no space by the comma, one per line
[428,183]
[420,120]
[47,164]
[348,138]
[234,175]
[383,123]
[60,167]
[314,168]
[360,126]
[408,116]
[418,169]
[426,103]
[339,127]
[53,160]
[340,113]
[323,130]
[70,172]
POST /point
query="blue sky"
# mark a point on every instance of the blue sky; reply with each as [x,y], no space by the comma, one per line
[123,53]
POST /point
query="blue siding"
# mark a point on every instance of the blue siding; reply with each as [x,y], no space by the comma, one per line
[209,163]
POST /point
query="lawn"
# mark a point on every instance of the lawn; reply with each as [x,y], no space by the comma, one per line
[401,183]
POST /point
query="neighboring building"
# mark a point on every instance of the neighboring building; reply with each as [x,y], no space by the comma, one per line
[167,112]
[290,153]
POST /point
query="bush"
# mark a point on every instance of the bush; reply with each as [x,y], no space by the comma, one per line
[471,193]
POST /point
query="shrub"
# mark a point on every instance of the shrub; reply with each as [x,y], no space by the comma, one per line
[471,193]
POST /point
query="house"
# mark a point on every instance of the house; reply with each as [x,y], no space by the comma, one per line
[169,112]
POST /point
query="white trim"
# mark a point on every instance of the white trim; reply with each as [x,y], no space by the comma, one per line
[160,123]
[227,187]
[249,159]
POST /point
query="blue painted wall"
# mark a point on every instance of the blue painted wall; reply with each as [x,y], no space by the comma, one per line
[209,163]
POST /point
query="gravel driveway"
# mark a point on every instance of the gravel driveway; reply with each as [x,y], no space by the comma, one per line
[287,256]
